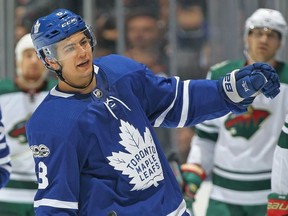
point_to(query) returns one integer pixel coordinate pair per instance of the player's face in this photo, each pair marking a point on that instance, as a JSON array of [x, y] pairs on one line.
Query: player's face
[[32, 69], [263, 44], [74, 54]]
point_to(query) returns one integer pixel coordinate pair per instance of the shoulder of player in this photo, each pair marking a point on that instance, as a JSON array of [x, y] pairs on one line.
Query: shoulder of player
[[59, 114], [222, 68], [117, 66], [7, 86]]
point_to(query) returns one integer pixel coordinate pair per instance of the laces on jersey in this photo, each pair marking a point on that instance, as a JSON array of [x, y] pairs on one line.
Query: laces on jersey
[[110, 103]]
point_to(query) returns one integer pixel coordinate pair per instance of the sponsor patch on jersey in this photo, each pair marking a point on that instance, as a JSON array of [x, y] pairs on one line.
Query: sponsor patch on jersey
[[141, 162], [40, 151]]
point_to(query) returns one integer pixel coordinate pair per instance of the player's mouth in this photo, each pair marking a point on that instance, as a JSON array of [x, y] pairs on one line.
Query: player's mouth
[[84, 64], [263, 48]]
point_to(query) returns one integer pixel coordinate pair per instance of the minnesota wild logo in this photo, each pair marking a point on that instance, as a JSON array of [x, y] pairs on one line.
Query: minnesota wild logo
[[140, 161], [247, 124], [18, 131]]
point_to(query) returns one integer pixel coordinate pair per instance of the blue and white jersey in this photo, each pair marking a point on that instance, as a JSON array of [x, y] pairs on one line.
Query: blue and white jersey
[[5, 163], [97, 153]]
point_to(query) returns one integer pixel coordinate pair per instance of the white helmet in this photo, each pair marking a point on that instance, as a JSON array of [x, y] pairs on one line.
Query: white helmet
[[267, 18], [23, 44]]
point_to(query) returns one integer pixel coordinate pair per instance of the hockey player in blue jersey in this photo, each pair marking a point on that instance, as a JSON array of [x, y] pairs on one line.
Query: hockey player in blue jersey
[[92, 138], [5, 161]]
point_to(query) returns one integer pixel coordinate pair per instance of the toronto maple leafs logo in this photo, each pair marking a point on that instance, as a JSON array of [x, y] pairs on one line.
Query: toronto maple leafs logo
[[141, 163]]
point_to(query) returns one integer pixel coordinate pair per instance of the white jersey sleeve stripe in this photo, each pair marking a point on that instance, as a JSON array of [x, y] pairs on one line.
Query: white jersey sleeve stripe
[[242, 177], [8, 168], [56, 203], [185, 106], [161, 118], [3, 145], [5, 160], [180, 210], [207, 129]]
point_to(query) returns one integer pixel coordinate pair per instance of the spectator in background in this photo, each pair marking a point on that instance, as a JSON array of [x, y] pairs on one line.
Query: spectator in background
[[19, 97], [238, 149], [106, 34], [145, 41], [27, 11], [5, 164], [192, 35], [149, 5]]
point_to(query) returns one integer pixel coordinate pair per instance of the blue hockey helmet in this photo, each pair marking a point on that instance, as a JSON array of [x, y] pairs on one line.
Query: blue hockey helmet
[[55, 27]]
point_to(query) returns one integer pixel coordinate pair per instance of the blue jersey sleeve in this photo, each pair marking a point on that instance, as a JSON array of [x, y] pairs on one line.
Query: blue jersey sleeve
[[168, 102], [5, 165], [171, 102]]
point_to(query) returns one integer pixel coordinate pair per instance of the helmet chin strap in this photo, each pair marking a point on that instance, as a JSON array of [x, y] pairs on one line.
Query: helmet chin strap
[[59, 74]]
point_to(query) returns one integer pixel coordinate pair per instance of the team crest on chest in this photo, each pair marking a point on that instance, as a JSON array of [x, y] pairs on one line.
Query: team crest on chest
[[141, 162], [18, 131], [247, 124]]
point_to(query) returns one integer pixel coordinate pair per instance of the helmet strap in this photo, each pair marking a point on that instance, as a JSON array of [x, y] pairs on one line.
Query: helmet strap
[[60, 76]]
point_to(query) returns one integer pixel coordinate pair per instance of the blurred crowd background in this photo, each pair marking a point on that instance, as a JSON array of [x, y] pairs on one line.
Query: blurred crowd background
[[172, 37]]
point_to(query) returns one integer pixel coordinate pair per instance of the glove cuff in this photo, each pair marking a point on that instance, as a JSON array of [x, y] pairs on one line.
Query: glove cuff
[[230, 88], [277, 205], [194, 168]]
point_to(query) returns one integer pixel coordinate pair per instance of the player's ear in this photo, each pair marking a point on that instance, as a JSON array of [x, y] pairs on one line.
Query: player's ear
[[52, 63]]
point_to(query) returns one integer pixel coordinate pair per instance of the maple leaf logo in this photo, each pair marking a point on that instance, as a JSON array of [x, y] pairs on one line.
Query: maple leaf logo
[[141, 163]]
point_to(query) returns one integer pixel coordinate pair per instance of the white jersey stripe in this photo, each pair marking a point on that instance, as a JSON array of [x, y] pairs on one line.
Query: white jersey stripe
[[161, 118], [54, 92], [3, 145], [17, 195], [5, 160], [56, 203], [7, 167], [207, 129], [185, 108], [242, 176], [239, 197], [180, 210]]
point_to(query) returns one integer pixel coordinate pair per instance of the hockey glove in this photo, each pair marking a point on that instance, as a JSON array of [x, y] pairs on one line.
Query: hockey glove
[[193, 175], [178, 175], [271, 88], [241, 86], [277, 205]]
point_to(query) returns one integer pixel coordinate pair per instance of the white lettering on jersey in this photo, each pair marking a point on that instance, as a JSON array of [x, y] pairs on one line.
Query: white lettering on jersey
[[141, 163]]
